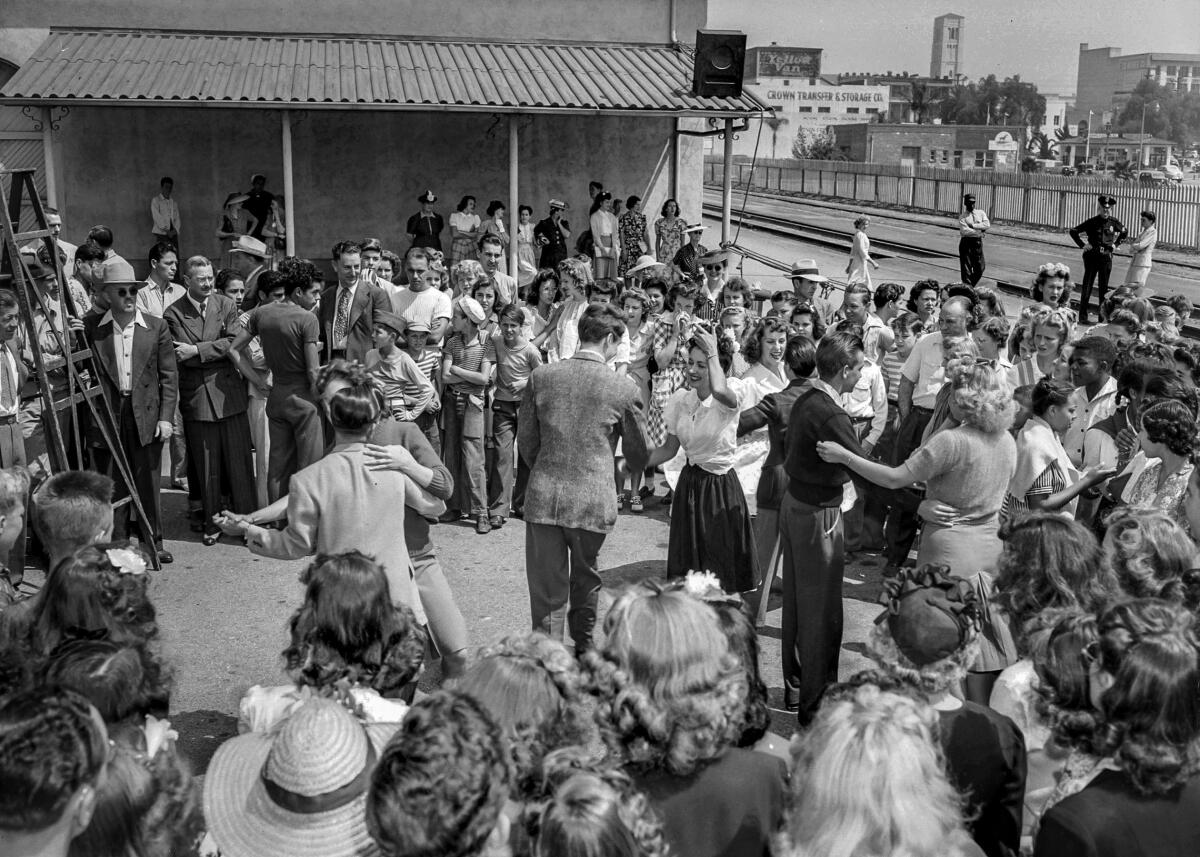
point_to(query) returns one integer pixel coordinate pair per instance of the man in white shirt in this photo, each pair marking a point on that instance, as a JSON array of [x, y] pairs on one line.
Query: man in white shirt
[[135, 358], [54, 224], [920, 380], [165, 213], [972, 223], [1095, 396], [420, 302], [491, 254], [161, 290]]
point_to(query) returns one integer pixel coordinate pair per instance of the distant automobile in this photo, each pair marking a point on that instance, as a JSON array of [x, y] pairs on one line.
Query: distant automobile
[[1172, 172], [1155, 178], [1069, 171]]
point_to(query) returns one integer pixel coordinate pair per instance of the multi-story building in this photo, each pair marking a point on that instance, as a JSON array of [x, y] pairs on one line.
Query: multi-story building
[[900, 91], [1106, 78], [989, 147], [946, 60]]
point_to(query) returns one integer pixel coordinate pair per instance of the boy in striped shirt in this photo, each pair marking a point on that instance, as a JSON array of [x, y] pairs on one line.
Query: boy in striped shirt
[[429, 360]]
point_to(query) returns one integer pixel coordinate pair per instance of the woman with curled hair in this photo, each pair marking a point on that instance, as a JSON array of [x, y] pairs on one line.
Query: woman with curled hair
[[670, 714], [710, 519], [765, 351], [1143, 675], [588, 809], [101, 589], [1167, 433], [1052, 286], [1048, 332], [345, 502], [806, 321], [964, 468], [1149, 552], [668, 347], [869, 780], [532, 687], [348, 642]]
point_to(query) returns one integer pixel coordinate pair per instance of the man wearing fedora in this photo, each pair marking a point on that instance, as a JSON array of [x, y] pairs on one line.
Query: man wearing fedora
[[806, 278], [972, 223], [687, 258], [248, 256], [1104, 234], [348, 309], [552, 234], [424, 228], [135, 358]]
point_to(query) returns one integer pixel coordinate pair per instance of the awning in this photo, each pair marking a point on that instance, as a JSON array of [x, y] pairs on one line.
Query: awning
[[324, 72]]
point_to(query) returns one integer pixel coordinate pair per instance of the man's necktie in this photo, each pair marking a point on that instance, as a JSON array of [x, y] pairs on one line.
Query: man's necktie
[[7, 383], [341, 317]]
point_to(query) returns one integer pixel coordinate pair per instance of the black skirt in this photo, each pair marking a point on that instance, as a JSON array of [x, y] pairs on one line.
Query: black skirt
[[711, 530]]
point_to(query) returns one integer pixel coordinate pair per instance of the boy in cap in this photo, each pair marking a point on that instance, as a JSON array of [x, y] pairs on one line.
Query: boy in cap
[[972, 223], [462, 363], [1104, 234], [406, 389], [429, 360]]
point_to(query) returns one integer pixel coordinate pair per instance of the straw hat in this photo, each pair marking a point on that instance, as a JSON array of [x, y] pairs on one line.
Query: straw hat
[[559, 204], [300, 791], [117, 271], [644, 262], [806, 269], [250, 246], [695, 227]]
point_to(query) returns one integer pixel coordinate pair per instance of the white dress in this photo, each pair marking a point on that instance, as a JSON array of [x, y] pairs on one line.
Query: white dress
[[858, 269]]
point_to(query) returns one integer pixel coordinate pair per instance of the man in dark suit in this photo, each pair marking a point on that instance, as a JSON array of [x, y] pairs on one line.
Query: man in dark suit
[[571, 415], [212, 397], [136, 361], [347, 312]]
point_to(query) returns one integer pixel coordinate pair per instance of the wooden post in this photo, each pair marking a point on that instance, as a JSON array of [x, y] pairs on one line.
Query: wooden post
[[513, 192], [289, 196], [48, 159], [727, 187]]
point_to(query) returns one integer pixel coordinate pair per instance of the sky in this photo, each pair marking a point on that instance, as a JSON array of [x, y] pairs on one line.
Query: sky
[[1037, 39]]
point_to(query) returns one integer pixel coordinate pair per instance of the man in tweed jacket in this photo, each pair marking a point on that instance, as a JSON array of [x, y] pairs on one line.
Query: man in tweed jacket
[[571, 416]]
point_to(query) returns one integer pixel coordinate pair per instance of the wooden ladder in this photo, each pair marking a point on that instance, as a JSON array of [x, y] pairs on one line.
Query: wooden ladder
[[78, 361]]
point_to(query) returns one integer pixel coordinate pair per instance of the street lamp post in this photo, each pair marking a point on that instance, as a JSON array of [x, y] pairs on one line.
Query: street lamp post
[[1087, 146], [1142, 136]]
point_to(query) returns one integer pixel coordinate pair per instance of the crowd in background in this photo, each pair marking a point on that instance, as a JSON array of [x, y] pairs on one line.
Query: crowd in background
[[1036, 668]]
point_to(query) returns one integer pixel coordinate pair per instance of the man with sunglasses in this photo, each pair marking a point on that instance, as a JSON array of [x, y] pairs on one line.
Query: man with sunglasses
[[1104, 234], [135, 357]]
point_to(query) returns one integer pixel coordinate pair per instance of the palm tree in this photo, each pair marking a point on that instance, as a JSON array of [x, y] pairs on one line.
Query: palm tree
[[773, 122], [920, 100], [1042, 146]]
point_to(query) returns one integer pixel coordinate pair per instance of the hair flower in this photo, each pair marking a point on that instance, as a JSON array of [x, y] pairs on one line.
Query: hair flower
[[158, 734], [126, 560], [701, 583]]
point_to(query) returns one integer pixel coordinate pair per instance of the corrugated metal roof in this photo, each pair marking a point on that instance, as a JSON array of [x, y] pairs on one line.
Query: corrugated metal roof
[[378, 73]]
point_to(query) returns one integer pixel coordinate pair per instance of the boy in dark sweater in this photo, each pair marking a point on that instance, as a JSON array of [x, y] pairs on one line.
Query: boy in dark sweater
[[810, 527]]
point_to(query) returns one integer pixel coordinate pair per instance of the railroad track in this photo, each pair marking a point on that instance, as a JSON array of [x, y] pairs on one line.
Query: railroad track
[[839, 239]]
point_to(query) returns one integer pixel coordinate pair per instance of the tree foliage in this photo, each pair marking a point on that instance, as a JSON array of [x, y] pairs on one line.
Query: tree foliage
[[1041, 146], [815, 145], [1170, 114], [993, 102]]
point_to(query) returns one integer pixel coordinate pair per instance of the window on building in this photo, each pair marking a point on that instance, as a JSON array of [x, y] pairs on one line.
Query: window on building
[[958, 162], [804, 109], [985, 160], [952, 32], [851, 109], [1171, 71], [1056, 119], [786, 82], [778, 108], [823, 109], [872, 109]]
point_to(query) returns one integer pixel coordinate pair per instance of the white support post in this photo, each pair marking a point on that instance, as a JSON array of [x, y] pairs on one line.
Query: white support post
[[727, 183], [48, 159], [514, 202], [289, 203]]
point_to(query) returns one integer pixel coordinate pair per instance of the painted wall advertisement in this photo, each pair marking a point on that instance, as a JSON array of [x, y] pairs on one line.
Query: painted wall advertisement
[[816, 106]]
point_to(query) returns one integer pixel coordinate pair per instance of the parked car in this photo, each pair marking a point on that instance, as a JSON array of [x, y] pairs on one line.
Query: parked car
[[1155, 178], [1069, 170], [1172, 172]]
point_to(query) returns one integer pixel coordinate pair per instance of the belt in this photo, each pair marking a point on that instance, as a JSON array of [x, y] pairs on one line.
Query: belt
[[8, 420], [125, 394], [858, 421], [337, 354]]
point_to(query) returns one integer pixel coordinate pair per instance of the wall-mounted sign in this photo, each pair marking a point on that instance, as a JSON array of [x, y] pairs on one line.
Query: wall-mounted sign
[[1003, 142], [788, 62]]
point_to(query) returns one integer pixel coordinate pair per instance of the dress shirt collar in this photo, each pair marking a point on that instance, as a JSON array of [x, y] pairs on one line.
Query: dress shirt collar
[[1108, 389], [107, 318], [818, 384], [587, 355], [196, 303]]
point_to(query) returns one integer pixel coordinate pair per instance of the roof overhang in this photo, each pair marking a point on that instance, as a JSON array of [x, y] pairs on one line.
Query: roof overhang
[[170, 69]]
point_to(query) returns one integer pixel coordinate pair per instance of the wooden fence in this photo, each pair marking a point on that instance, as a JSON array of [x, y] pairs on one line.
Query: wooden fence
[[1035, 198]]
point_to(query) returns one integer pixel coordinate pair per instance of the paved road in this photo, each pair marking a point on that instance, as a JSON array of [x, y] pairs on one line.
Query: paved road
[[1013, 253], [223, 611]]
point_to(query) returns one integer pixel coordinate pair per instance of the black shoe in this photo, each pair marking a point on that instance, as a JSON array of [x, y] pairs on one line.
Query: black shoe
[[450, 516], [165, 556], [482, 527], [497, 521], [211, 539], [517, 513], [791, 699]]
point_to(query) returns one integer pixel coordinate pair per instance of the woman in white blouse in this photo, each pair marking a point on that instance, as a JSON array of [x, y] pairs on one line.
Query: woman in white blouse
[[710, 520], [605, 237]]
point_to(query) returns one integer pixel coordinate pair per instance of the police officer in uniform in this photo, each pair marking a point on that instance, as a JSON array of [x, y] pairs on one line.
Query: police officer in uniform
[[972, 223], [1104, 234], [425, 227], [551, 235]]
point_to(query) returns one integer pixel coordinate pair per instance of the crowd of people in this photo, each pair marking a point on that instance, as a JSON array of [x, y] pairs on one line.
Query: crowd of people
[[1035, 686]]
